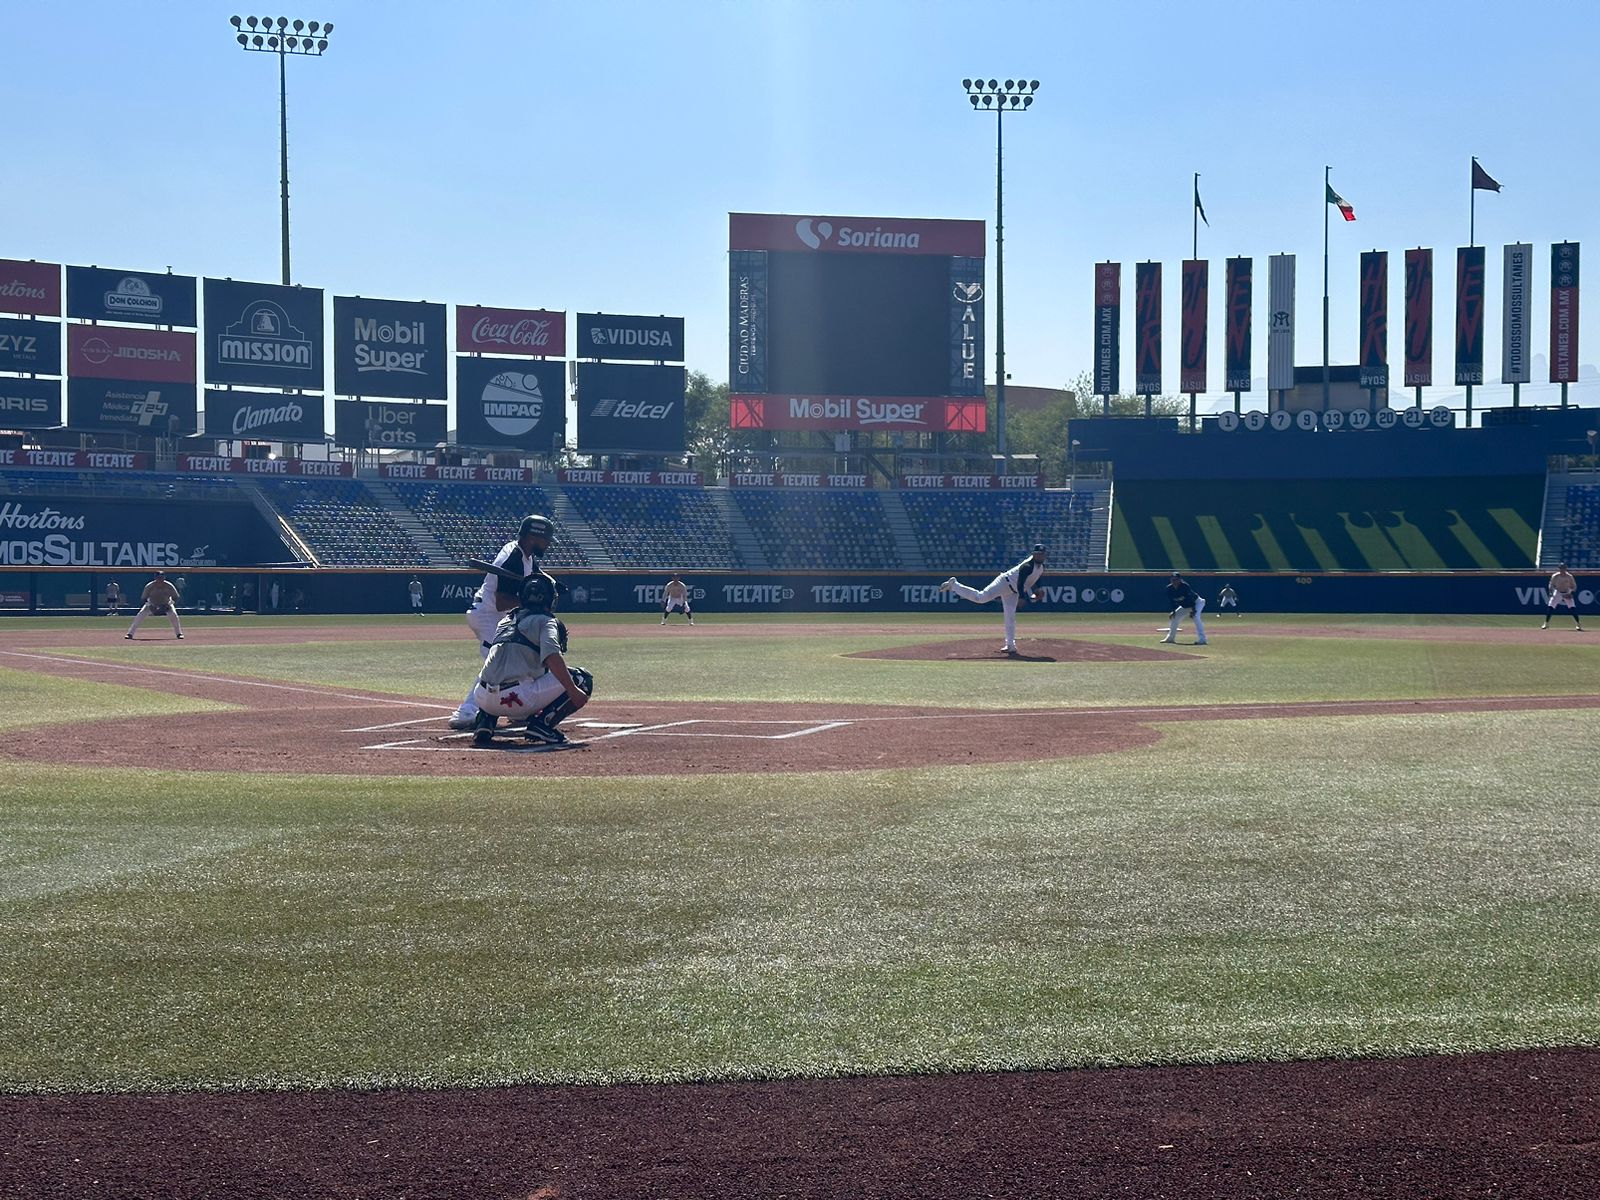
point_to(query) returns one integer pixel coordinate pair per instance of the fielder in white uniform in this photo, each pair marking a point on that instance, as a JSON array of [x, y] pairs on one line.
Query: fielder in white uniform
[[525, 676], [675, 598], [1010, 587], [489, 603], [1563, 591]]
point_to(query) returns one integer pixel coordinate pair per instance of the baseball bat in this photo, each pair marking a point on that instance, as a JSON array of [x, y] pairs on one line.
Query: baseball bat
[[477, 564]]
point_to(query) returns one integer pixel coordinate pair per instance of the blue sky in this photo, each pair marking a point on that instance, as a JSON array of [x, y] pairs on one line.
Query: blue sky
[[584, 156]]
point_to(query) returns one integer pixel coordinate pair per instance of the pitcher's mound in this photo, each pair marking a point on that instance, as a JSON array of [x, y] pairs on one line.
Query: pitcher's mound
[[1028, 650]]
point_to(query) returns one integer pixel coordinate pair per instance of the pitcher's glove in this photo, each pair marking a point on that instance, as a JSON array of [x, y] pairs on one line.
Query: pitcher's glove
[[561, 634], [159, 610]]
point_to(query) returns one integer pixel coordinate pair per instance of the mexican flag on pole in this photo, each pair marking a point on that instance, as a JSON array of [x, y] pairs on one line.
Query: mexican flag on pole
[[1346, 209]]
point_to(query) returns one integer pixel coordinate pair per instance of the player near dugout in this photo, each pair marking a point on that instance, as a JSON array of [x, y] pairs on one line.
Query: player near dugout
[[160, 600], [490, 602]]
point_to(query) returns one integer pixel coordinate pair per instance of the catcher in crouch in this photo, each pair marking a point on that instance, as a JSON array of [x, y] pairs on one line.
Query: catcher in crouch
[[525, 676]]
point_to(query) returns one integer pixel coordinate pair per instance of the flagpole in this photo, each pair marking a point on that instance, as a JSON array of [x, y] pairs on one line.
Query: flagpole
[[1472, 209], [1194, 217], [1327, 185]]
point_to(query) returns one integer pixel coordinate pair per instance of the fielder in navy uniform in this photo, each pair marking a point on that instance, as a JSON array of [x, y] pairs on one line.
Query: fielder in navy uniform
[[1011, 587], [526, 676], [490, 603], [1184, 599]]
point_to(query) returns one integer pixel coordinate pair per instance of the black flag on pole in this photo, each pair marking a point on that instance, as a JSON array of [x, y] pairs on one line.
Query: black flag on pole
[[1481, 180]]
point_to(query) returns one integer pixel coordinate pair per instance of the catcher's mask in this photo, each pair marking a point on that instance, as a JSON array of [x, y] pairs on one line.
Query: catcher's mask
[[534, 523], [538, 591]]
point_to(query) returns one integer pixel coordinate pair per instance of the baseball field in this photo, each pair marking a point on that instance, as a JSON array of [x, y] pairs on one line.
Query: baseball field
[[845, 906]]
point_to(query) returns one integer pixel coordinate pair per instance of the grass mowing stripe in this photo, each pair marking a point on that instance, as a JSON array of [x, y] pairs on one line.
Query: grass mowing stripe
[[1282, 889]]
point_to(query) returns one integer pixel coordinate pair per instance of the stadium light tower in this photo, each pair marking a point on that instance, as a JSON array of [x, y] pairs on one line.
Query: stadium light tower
[[282, 36], [1000, 96]]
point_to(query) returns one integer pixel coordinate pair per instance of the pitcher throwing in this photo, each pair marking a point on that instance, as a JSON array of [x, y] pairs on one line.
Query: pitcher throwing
[[1010, 587]]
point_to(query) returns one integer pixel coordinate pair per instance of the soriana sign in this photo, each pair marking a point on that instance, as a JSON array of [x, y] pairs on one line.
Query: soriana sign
[[855, 235], [511, 331], [114, 352], [934, 414], [30, 287]]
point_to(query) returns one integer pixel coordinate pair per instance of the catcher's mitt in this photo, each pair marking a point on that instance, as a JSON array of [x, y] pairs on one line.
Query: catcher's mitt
[[561, 634]]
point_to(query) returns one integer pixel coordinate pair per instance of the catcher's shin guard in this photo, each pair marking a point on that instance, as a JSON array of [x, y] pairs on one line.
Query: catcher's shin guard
[[553, 714]]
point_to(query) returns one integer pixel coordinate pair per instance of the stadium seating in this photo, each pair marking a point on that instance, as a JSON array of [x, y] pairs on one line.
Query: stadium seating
[[472, 520], [976, 531], [819, 530], [1580, 543], [126, 485], [1480, 522], [657, 528], [342, 522]]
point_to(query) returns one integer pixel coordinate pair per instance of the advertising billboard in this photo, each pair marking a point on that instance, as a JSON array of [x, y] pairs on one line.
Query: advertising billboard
[[263, 416], [533, 331], [512, 403], [31, 347], [855, 235], [29, 403], [31, 288], [1469, 315], [147, 355], [141, 297], [370, 424], [1192, 368], [747, 320], [886, 414], [628, 407], [151, 409], [1419, 318], [607, 335], [1147, 329], [1236, 353], [966, 327], [1280, 322], [1107, 328], [1517, 315], [1564, 312], [1374, 357], [389, 348], [264, 334]]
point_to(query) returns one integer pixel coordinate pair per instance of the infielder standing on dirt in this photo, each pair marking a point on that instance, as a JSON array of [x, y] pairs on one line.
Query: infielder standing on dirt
[[1011, 587], [1228, 598], [1563, 590], [490, 603], [525, 675], [1184, 599], [160, 600], [675, 598]]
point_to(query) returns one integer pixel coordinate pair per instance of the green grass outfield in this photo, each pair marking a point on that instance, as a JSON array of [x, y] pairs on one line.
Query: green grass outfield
[[1241, 890]]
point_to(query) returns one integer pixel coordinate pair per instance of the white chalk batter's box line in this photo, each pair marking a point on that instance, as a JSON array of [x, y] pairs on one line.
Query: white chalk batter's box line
[[619, 729]]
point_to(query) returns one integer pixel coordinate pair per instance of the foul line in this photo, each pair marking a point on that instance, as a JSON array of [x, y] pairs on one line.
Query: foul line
[[171, 673]]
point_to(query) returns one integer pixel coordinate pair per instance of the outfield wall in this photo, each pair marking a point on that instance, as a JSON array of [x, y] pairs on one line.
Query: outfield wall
[[47, 590]]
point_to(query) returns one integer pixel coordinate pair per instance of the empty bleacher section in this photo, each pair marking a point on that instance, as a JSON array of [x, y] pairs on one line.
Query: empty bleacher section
[[803, 530], [342, 522], [977, 531], [472, 520], [1479, 522], [125, 485], [1580, 543], [657, 528]]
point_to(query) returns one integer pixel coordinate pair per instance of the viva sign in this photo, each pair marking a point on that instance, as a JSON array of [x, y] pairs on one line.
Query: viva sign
[[389, 348]]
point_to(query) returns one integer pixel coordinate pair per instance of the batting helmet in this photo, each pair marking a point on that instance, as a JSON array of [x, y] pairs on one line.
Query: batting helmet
[[536, 524], [538, 591]]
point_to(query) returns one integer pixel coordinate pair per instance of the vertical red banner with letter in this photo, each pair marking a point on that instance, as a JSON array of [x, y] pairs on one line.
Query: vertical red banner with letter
[[1147, 331], [1374, 359], [1107, 328], [1419, 318], [1469, 315], [1564, 312], [1236, 352], [1192, 362]]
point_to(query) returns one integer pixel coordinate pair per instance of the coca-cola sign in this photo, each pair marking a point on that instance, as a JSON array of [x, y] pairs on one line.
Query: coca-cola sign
[[511, 331]]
